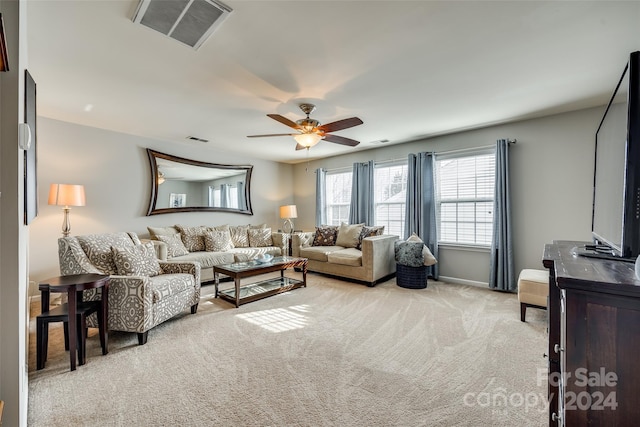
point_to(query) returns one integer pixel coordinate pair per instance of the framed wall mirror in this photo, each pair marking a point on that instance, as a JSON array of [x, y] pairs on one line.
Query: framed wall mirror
[[183, 185]]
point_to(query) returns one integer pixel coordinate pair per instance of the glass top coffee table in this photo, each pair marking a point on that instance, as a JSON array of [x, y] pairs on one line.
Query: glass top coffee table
[[242, 294]]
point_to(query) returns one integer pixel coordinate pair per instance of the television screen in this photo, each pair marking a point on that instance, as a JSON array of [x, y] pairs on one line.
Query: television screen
[[610, 171]]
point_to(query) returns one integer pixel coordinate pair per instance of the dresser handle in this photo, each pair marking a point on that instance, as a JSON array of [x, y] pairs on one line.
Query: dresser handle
[[557, 348], [555, 417]]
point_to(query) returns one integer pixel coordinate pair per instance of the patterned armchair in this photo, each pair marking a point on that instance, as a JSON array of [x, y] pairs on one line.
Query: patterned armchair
[[137, 302]]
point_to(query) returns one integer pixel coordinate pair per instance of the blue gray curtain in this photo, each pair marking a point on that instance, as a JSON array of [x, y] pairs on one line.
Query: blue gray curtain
[[502, 275], [362, 208], [241, 199], [321, 194], [420, 215]]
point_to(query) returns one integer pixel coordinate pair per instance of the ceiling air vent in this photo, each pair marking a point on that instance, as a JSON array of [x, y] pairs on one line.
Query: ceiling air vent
[[189, 21]]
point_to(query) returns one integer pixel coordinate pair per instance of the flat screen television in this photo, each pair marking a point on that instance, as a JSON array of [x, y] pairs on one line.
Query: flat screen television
[[615, 222]]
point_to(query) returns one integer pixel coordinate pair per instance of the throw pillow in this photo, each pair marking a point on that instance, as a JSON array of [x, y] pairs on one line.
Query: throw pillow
[[409, 253], [224, 227], [428, 257], [175, 247], [368, 232], [154, 232], [192, 237], [258, 226], [239, 236], [218, 241], [348, 235], [414, 238], [260, 237], [325, 236], [138, 260]]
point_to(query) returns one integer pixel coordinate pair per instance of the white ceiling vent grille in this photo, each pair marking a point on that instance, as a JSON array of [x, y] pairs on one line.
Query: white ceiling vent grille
[[188, 21]]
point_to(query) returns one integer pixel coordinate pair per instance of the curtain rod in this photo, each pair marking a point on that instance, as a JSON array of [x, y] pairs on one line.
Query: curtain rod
[[437, 153]]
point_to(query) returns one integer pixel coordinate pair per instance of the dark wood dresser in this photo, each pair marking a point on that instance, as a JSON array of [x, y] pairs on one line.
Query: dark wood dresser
[[594, 339]]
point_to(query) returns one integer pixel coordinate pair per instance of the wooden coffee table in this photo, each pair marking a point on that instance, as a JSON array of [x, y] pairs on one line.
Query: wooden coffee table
[[242, 294]]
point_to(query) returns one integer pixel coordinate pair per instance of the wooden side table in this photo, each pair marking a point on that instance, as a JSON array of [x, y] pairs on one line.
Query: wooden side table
[[73, 285]]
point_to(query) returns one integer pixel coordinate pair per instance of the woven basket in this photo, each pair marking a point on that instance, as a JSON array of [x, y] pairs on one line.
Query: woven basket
[[411, 277]]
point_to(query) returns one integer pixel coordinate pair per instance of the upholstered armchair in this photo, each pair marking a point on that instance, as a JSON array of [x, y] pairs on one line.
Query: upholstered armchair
[[143, 292]]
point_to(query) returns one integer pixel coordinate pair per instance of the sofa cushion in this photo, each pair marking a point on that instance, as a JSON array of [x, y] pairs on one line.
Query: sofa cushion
[[175, 247], [138, 260], [260, 237], [208, 259], [240, 236], [217, 241], [319, 253], [325, 236], [192, 237], [155, 232], [409, 253], [348, 256], [377, 230], [98, 249], [247, 254], [166, 285], [348, 235]]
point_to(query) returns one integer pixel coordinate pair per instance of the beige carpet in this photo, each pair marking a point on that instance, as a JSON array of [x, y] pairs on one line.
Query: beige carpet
[[332, 354]]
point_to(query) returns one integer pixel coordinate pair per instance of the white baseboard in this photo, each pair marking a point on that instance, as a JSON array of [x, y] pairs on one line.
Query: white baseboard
[[457, 281]]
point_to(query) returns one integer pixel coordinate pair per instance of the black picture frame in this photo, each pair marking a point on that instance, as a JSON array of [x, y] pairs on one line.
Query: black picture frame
[[30, 155]]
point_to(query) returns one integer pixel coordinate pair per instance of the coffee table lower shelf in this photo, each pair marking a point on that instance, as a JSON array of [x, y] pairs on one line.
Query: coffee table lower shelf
[[266, 288]]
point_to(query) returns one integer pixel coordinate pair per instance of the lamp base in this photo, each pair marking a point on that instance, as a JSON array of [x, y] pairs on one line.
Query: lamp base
[[287, 227], [66, 223]]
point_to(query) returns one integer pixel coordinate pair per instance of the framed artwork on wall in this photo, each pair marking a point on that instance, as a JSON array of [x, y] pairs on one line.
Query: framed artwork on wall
[[177, 200], [30, 153]]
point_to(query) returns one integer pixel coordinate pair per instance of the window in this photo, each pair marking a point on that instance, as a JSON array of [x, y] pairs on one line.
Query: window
[[390, 187], [338, 187], [465, 186]]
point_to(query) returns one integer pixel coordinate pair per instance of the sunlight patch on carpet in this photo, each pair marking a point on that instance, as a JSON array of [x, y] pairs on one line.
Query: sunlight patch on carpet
[[278, 319]]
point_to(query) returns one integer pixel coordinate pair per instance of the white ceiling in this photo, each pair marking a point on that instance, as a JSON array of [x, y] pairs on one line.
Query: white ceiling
[[408, 69]]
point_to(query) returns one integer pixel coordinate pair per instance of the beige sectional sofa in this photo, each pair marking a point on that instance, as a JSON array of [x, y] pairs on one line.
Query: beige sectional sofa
[[242, 247], [368, 259]]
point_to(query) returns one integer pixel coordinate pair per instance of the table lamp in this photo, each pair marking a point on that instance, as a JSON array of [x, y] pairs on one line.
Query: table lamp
[[66, 195], [288, 212]]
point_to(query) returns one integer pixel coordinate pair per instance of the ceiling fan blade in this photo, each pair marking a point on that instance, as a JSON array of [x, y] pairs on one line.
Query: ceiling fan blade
[[341, 140], [284, 120], [271, 134], [300, 147], [340, 124]]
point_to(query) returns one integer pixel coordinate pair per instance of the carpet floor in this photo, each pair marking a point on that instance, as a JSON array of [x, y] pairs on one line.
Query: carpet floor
[[332, 354]]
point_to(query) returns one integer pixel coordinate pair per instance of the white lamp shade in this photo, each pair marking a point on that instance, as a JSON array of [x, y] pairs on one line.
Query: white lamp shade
[[307, 139], [66, 195], [288, 211]]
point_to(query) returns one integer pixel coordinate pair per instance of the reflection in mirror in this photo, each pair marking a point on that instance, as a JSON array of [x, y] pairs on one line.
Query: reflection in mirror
[[183, 185]]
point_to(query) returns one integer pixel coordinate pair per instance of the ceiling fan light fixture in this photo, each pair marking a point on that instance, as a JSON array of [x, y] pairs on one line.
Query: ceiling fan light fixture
[[307, 140]]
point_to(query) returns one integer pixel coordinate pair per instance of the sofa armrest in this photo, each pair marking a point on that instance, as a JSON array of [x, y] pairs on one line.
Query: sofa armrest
[[279, 241], [127, 295], [301, 240], [176, 267], [160, 248], [378, 254]]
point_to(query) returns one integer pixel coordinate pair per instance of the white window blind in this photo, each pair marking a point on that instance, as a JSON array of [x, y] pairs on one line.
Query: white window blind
[[465, 198], [390, 187], [338, 197]]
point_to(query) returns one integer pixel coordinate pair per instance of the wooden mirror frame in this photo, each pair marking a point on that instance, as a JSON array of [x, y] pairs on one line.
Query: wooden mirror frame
[[153, 210]]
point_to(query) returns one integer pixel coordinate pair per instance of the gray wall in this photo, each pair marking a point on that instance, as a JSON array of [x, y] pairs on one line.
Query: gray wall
[[116, 174], [551, 174]]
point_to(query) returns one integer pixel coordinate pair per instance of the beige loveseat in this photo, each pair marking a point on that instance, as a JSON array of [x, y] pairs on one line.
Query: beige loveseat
[[142, 291], [371, 262], [242, 246]]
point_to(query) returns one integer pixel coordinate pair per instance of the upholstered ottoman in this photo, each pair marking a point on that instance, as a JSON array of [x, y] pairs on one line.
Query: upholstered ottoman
[[533, 290]]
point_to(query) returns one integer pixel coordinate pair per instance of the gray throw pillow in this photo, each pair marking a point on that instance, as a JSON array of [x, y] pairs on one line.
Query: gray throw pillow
[[138, 260], [218, 241], [409, 253], [175, 247]]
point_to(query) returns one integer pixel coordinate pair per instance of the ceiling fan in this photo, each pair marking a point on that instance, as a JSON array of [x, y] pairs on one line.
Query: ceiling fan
[[310, 132]]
